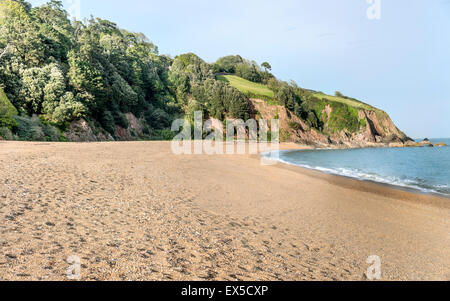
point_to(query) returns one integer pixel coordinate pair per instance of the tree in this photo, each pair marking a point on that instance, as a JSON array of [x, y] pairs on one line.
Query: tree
[[339, 94], [57, 71], [66, 110], [55, 29], [266, 66], [228, 64], [18, 28], [248, 72], [286, 96]]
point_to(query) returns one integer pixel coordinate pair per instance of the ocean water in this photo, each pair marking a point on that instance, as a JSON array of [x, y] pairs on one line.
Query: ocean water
[[422, 169]]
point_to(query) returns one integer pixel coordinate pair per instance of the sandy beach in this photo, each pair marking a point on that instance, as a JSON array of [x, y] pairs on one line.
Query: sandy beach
[[135, 211]]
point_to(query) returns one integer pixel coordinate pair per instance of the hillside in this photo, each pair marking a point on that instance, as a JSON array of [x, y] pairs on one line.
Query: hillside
[[251, 89], [63, 80], [345, 100], [343, 121]]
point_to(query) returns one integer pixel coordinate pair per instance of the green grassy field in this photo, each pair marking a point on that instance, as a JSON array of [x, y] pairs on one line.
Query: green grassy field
[[351, 102], [247, 87], [255, 90]]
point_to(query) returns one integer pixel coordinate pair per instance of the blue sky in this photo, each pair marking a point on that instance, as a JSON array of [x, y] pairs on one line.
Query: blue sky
[[399, 63]]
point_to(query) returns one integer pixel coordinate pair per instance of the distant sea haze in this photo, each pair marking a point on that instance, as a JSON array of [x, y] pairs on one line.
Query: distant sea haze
[[424, 169]]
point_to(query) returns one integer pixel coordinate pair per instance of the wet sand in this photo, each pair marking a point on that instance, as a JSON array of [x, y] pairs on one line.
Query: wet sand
[[135, 211]]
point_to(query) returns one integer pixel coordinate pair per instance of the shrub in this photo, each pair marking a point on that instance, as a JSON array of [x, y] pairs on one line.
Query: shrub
[[6, 133], [248, 72], [343, 117], [286, 96], [108, 123], [228, 63], [157, 118], [284, 135], [165, 135], [121, 120], [7, 111], [50, 133], [24, 125], [313, 121], [294, 125], [339, 94], [36, 134], [32, 129]]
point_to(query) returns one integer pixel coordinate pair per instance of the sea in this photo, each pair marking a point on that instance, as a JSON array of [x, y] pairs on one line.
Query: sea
[[421, 169]]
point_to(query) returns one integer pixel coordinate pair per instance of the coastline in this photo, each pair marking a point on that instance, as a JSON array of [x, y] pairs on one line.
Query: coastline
[[378, 188], [136, 211], [330, 176]]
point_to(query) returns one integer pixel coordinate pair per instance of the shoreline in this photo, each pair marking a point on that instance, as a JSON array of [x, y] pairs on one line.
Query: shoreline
[[286, 146], [136, 211], [414, 191], [378, 188]]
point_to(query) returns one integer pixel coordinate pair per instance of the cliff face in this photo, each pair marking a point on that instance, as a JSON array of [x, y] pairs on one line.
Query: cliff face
[[342, 126], [83, 131]]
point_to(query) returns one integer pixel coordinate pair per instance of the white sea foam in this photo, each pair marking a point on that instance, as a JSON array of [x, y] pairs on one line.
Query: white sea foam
[[361, 175]]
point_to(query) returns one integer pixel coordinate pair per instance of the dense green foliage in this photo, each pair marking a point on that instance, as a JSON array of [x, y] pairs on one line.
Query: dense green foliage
[[249, 70], [197, 89], [63, 71], [340, 116], [35, 129], [54, 71], [228, 64], [7, 111]]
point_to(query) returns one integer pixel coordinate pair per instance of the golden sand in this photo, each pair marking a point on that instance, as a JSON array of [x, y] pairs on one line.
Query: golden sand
[[135, 211]]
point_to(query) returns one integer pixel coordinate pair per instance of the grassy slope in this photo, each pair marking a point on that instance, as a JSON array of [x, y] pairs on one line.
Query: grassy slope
[[247, 87], [345, 110], [255, 89], [351, 102]]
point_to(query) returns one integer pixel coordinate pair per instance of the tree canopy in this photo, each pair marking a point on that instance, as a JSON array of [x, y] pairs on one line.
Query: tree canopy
[[266, 66], [59, 71]]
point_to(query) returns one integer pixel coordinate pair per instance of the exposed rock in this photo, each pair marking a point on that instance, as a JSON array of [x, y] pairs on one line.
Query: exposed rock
[[134, 130], [102, 137], [135, 123], [411, 144], [396, 144], [424, 143], [81, 131], [328, 110], [298, 130], [379, 131], [440, 145]]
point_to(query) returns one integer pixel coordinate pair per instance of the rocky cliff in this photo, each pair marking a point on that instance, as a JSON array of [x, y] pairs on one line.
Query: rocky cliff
[[84, 131], [341, 125]]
